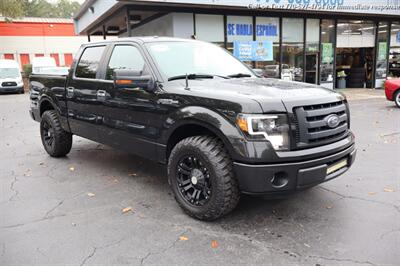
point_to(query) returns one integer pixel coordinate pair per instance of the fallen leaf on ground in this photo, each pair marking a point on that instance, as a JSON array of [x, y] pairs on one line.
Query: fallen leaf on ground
[[72, 168], [214, 244], [388, 189], [127, 209], [371, 193], [183, 238], [91, 194], [41, 163]]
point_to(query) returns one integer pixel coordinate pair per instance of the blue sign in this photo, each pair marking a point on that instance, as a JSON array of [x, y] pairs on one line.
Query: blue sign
[[398, 36], [247, 29], [253, 50], [267, 30], [239, 29]]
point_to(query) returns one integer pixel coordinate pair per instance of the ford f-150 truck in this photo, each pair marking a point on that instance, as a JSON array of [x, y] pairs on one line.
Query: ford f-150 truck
[[221, 129]]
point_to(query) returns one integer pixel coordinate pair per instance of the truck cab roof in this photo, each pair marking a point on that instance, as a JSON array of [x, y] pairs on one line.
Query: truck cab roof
[[142, 40]]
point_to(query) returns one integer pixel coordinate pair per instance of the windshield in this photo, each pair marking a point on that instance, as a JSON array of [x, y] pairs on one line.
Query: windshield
[[9, 73], [180, 58]]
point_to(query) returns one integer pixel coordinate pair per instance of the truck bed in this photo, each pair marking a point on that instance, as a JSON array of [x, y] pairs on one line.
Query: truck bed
[[49, 87]]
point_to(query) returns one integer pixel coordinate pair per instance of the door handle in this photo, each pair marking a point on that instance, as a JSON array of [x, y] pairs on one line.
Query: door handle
[[70, 92], [101, 94]]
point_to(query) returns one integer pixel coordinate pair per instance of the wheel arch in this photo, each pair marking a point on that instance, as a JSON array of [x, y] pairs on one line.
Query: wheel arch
[[45, 105], [193, 128], [202, 121]]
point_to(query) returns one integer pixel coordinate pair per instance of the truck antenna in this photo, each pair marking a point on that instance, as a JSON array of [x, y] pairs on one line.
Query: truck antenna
[[187, 82]]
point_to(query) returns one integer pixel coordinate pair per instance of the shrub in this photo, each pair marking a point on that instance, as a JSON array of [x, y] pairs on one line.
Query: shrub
[[27, 70]]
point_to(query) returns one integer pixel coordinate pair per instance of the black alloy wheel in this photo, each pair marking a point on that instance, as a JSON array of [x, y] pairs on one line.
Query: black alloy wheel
[[194, 180], [48, 134]]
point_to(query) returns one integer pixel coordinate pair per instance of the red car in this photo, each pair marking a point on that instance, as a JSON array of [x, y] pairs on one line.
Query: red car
[[392, 90]]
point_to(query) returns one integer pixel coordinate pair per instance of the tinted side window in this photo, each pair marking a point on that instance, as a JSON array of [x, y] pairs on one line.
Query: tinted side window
[[125, 57], [89, 62]]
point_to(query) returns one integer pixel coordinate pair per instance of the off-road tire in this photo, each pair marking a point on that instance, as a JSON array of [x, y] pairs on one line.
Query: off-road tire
[[62, 141], [224, 187]]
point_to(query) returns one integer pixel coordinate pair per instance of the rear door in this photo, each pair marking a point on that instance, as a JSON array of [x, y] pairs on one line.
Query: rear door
[[82, 93]]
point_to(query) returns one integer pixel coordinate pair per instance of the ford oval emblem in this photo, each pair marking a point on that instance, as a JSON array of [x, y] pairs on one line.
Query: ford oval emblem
[[332, 121]]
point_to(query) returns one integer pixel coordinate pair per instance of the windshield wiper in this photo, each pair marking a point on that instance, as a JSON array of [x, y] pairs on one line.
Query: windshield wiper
[[240, 75], [195, 76], [191, 76]]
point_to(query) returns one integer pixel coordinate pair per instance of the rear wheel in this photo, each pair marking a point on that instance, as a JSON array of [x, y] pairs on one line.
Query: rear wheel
[[201, 177], [56, 141], [397, 98]]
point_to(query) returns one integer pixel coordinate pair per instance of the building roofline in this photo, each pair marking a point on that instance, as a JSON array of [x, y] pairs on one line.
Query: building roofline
[[37, 20], [84, 7]]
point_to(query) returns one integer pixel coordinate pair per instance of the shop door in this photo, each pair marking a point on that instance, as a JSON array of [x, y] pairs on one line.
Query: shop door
[[312, 63], [355, 53]]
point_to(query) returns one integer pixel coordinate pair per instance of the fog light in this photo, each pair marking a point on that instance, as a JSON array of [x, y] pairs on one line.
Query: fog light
[[279, 180]]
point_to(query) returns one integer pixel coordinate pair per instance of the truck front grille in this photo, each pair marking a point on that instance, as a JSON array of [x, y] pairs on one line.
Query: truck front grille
[[9, 84], [313, 125]]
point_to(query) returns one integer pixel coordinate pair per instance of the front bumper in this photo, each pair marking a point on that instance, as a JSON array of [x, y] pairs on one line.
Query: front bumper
[[290, 177], [34, 112], [389, 94], [11, 89]]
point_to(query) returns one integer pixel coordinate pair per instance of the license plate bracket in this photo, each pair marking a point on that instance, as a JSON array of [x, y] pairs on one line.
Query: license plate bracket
[[336, 166]]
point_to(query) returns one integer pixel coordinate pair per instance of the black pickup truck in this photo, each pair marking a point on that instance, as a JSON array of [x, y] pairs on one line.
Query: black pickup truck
[[221, 129]]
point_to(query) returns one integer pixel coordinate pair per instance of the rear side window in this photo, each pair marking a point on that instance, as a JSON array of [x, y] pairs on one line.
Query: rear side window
[[125, 57], [89, 62]]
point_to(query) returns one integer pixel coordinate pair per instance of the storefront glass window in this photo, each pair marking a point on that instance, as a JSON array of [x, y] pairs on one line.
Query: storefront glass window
[[327, 52], [312, 50], [239, 28], [292, 49], [355, 52], [210, 28], [394, 54], [267, 30], [381, 57]]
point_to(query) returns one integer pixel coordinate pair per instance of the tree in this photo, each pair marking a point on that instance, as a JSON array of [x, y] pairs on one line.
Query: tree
[[11, 8], [38, 8], [66, 8]]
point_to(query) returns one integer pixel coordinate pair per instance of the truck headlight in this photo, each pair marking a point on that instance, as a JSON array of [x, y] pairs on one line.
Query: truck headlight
[[274, 128]]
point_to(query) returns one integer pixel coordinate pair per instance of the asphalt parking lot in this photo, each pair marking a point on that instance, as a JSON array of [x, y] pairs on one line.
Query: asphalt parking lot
[[70, 210]]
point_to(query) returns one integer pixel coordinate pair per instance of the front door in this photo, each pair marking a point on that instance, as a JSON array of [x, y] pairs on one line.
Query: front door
[[126, 112], [312, 68], [82, 94]]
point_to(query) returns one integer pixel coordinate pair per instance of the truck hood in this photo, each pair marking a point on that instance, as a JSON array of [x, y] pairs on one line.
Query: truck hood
[[273, 95]]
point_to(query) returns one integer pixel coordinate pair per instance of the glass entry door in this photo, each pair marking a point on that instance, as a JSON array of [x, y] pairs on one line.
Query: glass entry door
[[311, 74], [312, 68], [355, 50]]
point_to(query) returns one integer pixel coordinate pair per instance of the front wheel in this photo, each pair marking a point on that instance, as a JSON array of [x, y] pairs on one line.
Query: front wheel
[[201, 176], [397, 98], [56, 141]]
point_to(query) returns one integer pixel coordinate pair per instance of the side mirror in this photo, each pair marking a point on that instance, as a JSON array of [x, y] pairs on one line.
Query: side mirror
[[125, 78]]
